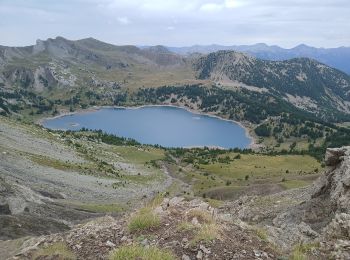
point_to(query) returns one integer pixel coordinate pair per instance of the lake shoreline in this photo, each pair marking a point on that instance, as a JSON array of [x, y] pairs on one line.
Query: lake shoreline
[[253, 144]]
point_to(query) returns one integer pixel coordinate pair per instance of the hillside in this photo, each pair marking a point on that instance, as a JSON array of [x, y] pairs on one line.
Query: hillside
[[305, 83]]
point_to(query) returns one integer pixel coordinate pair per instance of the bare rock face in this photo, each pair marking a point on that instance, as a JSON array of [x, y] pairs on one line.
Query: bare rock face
[[335, 155], [335, 184], [326, 215]]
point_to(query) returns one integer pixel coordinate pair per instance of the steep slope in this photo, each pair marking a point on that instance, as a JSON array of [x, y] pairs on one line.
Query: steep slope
[[50, 181], [307, 82]]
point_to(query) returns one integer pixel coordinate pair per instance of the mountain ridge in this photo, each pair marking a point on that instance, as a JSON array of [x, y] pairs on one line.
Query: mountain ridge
[[109, 71], [335, 57]]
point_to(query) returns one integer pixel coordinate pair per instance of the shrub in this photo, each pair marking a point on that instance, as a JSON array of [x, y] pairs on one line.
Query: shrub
[[261, 233], [206, 233], [138, 252], [143, 220]]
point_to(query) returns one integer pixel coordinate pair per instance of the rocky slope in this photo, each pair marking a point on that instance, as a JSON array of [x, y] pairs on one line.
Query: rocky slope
[[49, 182], [188, 229], [316, 217], [307, 223]]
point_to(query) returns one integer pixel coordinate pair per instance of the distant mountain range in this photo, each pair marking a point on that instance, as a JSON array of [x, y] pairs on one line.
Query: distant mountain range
[[338, 58]]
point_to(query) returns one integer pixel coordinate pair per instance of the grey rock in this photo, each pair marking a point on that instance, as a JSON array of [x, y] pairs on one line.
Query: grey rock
[[185, 257], [145, 242], [175, 201], [334, 156], [110, 244], [204, 249], [199, 255]]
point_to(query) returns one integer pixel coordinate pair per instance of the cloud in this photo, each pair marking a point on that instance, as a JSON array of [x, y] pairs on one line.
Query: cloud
[[150, 22], [232, 3], [211, 7], [123, 20], [215, 7]]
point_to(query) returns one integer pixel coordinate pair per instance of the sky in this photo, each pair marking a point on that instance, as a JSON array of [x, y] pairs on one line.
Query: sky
[[287, 23]]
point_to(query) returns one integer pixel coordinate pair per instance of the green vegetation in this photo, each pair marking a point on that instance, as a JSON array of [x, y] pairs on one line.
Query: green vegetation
[[145, 218], [185, 226], [292, 184], [206, 233], [220, 174], [261, 233], [58, 250], [300, 251], [139, 252], [57, 164]]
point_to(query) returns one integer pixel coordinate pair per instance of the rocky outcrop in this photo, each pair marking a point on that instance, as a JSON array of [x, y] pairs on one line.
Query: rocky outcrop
[[334, 185], [319, 213], [326, 214]]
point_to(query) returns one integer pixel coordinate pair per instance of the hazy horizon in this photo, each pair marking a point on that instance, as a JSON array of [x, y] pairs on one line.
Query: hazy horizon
[[178, 23]]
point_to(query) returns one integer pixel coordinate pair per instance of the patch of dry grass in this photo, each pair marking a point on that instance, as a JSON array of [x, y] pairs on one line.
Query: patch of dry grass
[[59, 251]]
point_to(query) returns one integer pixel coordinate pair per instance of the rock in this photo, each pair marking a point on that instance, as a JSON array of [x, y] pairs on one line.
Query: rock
[[172, 244], [110, 244], [199, 255], [145, 242], [204, 206], [5, 209], [159, 211], [204, 249], [339, 227], [257, 253], [175, 201], [334, 183], [124, 238], [184, 243], [165, 203], [185, 257], [195, 222], [334, 156]]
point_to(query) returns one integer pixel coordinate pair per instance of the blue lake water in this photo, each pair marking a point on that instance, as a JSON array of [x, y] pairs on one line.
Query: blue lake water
[[163, 125]]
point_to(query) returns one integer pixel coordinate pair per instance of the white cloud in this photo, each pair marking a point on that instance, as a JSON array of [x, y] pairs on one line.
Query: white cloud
[[211, 7], [232, 3], [146, 22], [123, 20]]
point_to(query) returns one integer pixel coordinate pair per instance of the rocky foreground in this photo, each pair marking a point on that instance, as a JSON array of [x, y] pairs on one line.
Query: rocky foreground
[[308, 223]]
